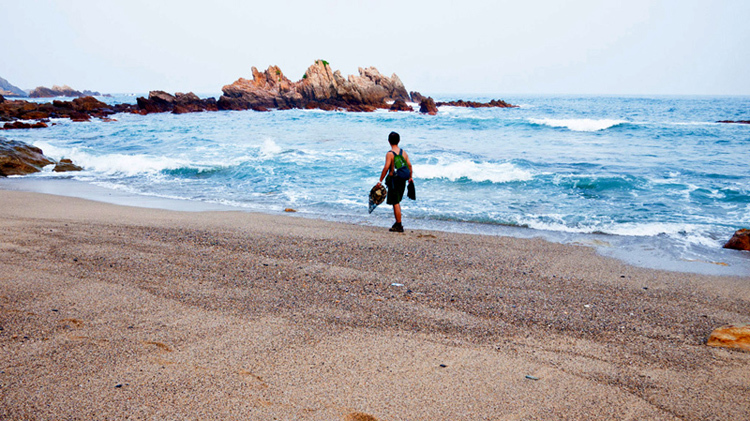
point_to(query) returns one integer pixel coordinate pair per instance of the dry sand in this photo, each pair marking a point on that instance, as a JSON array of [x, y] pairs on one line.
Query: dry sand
[[112, 312]]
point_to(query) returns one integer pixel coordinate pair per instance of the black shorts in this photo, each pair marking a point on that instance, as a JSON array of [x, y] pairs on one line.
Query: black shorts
[[396, 187]]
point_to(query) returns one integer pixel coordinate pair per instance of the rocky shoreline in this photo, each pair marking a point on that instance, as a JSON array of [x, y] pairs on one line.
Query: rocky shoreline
[[320, 88]]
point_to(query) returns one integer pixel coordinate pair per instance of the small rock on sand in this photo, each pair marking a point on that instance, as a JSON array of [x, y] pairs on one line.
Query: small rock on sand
[[731, 337]]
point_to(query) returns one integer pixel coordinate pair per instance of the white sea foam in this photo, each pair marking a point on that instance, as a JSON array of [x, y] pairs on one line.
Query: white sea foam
[[121, 164], [269, 148], [578, 124], [483, 171], [687, 233]]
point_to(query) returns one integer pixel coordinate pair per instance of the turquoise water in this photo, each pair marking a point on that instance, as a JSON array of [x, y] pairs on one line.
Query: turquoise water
[[653, 171]]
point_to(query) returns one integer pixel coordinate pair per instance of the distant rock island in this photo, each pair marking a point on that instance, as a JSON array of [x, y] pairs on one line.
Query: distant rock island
[[55, 91], [7, 89]]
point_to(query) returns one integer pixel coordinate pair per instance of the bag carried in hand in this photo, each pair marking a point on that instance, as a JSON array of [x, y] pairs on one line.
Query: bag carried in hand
[[377, 196], [399, 163]]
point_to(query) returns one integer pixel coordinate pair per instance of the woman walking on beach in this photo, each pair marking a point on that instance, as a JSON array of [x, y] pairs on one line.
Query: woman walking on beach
[[396, 176]]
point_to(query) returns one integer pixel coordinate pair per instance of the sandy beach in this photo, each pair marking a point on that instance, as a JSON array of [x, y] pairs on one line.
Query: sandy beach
[[115, 312]]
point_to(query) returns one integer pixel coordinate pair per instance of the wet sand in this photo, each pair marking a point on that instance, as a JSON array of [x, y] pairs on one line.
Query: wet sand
[[115, 312]]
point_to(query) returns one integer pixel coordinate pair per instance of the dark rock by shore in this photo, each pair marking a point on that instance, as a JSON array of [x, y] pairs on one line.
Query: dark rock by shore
[[739, 241], [19, 158], [320, 87], [55, 91]]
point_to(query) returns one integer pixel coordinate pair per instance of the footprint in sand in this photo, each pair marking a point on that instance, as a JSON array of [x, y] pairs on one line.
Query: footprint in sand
[[360, 416], [160, 345]]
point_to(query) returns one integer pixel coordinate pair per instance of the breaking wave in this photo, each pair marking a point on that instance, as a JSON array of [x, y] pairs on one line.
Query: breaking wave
[[578, 124], [473, 171]]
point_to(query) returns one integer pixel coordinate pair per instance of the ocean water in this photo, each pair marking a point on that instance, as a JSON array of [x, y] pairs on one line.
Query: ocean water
[[653, 180]]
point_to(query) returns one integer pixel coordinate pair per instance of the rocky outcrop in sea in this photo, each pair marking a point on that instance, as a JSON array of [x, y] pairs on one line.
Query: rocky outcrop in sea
[[428, 106], [320, 87], [79, 109], [179, 103]]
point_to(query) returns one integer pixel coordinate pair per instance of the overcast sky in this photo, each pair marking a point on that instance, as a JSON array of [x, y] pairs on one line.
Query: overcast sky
[[437, 46]]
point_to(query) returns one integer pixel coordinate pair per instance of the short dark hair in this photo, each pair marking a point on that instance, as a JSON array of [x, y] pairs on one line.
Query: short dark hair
[[394, 138]]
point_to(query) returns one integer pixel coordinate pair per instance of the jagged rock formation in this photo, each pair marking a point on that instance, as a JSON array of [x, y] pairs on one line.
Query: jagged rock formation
[[416, 97], [179, 103], [65, 90], [7, 89], [320, 87], [18, 158]]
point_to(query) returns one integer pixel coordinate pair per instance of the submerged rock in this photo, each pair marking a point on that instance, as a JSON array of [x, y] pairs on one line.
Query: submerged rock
[[22, 125], [495, 103], [66, 165], [18, 158], [739, 241], [400, 105], [731, 337]]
